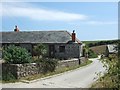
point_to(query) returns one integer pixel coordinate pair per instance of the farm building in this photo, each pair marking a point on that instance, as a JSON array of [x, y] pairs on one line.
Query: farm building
[[111, 49]]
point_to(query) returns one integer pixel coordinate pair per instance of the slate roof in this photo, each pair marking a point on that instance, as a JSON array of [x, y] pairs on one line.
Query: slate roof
[[112, 48], [37, 37]]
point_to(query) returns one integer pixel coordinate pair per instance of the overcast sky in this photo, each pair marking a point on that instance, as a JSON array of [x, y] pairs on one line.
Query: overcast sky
[[90, 20]]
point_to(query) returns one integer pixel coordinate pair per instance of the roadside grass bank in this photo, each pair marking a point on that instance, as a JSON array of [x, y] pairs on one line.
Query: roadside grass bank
[[39, 76], [104, 82], [111, 78]]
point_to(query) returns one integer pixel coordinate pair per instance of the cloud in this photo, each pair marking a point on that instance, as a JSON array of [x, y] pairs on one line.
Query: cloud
[[93, 23], [41, 14], [101, 22]]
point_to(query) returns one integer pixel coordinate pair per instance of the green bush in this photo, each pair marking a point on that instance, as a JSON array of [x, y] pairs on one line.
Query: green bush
[[16, 55], [92, 54], [40, 50], [48, 65], [111, 78]]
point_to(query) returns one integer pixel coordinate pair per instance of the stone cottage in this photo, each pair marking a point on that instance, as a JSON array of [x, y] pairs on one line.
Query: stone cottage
[[61, 44], [111, 49]]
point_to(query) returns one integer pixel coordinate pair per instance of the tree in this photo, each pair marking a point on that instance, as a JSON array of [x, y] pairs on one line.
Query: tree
[[85, 51], [92, 54]]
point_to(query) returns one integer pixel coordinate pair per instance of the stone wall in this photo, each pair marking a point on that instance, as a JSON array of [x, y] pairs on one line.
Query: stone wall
[[67, 63], [8, 69], [23, 70]]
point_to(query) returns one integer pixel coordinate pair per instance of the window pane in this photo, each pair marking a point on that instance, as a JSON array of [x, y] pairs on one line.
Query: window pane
[[62, 49]]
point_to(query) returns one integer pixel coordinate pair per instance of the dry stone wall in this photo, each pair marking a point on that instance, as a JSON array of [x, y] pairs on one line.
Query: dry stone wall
[[23, 70]]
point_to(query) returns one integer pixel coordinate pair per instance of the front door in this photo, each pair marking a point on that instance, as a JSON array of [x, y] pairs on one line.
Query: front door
[[51, 51]]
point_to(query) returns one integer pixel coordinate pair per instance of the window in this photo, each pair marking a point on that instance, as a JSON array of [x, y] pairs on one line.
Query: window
[[61, 48]]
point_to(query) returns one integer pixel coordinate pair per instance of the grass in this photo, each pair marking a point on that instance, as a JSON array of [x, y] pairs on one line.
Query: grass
[[103, 82], [62, 70], [10, 81], [99, 49]]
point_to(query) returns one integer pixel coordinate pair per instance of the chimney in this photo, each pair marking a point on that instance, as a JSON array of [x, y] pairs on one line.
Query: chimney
[[16, 29], [73, 36]]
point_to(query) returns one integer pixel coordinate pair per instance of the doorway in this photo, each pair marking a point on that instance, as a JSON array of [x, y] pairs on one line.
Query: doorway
[[51, 51]]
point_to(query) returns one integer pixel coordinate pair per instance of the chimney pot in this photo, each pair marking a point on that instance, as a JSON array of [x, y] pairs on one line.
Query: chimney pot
[[73, 31], [73, 36], [16, 29]]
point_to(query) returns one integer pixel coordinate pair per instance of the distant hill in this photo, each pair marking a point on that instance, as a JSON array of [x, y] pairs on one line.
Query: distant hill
[[98, 43], [99, 47]]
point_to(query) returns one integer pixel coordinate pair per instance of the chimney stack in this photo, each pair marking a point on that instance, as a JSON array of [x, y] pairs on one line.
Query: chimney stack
[[73, 36], [16, 29]]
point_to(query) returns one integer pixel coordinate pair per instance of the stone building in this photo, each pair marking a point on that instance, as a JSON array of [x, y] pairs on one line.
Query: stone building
[[61, 44], [111, 49]]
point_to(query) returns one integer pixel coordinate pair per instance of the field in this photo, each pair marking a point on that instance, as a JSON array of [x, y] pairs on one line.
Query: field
[[99, 46], [99, 49]]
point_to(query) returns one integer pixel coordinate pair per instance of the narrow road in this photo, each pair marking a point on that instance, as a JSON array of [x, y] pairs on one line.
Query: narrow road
[[80, 78]]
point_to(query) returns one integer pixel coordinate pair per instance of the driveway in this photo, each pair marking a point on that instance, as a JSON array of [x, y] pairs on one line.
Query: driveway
[[80, 78]]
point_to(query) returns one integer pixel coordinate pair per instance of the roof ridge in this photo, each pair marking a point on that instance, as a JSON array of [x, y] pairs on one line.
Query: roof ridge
[[39, 31]]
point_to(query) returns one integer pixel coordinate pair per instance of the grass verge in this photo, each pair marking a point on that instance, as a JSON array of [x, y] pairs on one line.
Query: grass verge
[[111, 78], [103, 82]]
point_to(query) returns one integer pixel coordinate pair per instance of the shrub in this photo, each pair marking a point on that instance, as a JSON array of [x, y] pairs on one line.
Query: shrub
[[16, 55], [92, 54], [111, 79], [113, 73], [48, 65], [40, 50]]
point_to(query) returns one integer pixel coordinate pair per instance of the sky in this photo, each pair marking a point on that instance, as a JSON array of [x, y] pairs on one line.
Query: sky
[[90, 20]]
